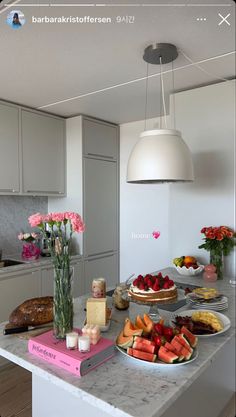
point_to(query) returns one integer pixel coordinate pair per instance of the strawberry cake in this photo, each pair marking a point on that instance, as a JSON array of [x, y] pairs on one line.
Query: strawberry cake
[[153, 288]]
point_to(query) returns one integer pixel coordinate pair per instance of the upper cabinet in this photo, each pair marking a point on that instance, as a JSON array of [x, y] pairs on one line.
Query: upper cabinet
[[9, 150], [43, 150], [32, 152], [100, 139]]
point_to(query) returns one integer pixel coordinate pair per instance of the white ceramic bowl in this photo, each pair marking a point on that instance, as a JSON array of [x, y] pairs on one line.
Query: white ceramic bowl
[[189, 271]]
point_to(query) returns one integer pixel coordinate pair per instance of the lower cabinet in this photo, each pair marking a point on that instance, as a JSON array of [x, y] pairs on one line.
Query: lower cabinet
[[17, 288], [104, 267]]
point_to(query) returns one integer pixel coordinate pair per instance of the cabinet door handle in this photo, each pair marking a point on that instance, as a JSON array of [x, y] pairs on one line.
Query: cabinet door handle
[[101, 156], [44, 192], [7, 190], [101, 253], [100, 257]]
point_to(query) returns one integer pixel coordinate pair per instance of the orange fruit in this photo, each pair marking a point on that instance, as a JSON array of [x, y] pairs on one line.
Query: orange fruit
[[189, 260]]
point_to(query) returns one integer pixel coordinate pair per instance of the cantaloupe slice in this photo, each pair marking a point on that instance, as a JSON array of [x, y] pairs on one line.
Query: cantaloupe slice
[[124, 341], [130, 329], [146, 323]]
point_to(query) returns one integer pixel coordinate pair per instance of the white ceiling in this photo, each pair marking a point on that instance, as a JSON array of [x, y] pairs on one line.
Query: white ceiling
[[47, 63]]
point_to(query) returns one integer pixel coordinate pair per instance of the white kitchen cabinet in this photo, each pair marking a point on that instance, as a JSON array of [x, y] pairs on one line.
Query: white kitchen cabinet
[[101, 267], [100, 206], [100, 139], [47, 276], [47, 279], [78, 278], [9, 150], [43, 153], [16, 288], [93, 192]]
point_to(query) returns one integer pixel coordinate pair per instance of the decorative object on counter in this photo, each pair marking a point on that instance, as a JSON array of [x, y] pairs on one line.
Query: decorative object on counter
[[209, 273], [99, 288], [73, 361], [71, 340], [96, 311], [119, 302], [93, 332], [61, 227], [219, 241], [45, 249], [187, 265], [84, 344], [30, 251]]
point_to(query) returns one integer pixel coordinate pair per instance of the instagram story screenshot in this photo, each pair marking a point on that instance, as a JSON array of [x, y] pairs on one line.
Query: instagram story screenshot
[[117, 208]]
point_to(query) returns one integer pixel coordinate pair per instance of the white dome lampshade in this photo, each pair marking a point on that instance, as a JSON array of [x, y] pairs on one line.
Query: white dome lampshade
[[160, 155]]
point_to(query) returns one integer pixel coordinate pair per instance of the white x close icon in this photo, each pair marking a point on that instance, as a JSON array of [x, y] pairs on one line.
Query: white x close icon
[[224, 19]]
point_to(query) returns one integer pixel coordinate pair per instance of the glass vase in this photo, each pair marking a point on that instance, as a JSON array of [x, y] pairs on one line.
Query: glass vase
[[216, 258], [63, 302], [30, 251]]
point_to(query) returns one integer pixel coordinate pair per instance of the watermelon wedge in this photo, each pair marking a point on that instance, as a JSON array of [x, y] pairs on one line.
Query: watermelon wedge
[[144, 347], [170, 347], [167, 356], [186, 353], [143, 340], [184, 342], [191, 338], [176, 343], [146, 356]]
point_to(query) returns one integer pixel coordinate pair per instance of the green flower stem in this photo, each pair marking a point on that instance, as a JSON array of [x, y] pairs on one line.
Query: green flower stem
[[216, 258], [63, 301]]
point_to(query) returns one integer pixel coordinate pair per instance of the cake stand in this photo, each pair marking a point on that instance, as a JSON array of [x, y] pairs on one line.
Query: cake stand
[[155, 305]]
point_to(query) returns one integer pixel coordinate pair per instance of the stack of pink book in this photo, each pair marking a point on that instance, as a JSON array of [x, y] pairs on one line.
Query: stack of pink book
[[46, 347]]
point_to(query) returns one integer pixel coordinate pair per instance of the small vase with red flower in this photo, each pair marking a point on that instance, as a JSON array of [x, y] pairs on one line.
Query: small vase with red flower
[[219, 241]]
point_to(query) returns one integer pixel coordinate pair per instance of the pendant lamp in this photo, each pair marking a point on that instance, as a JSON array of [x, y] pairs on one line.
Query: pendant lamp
[[161, 155]]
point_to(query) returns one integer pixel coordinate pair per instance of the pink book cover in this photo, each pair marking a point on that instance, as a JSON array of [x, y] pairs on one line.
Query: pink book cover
[[54, 351]]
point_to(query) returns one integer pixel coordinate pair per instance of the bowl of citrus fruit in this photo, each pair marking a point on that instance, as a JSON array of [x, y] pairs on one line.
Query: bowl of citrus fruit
[[187, 265]]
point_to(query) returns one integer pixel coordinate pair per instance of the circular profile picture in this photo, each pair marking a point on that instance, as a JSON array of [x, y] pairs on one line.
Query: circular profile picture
[[16, 19]]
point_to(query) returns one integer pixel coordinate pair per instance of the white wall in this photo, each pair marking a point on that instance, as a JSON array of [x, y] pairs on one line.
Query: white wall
[[205, 117], [143, 209], [73, 200]]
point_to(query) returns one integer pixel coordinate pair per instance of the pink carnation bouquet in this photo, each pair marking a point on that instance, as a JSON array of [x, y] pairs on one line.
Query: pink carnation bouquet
[[61, 227], [57, 229]]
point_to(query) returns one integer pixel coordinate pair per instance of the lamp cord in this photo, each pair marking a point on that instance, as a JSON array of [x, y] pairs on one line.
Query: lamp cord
[[201, 69], [173, 94], [163, 93], [146, 99]]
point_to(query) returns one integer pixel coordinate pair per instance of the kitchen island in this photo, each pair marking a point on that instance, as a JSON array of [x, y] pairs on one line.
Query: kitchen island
[[124, 387]]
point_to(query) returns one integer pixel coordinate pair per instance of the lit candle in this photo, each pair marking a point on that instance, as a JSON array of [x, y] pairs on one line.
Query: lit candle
[[71, 340], [84, 344]]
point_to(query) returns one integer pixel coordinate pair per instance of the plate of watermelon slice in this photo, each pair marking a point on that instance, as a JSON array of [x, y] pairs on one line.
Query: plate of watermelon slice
[[181, 350]]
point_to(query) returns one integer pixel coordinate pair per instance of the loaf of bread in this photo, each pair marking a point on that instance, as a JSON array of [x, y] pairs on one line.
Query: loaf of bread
[[33, 312]]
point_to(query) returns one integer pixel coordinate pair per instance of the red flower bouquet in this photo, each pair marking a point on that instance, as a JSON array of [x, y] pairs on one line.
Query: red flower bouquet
[[219, 241]]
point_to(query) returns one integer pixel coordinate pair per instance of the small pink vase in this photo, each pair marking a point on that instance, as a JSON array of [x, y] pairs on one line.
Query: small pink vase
[[209, 273], [30, 251]]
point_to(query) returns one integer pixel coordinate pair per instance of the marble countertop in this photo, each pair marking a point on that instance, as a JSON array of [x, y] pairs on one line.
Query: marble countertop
[[124, 387], [28, 265]]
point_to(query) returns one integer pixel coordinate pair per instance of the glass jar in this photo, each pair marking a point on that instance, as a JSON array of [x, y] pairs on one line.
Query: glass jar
[[119, 302]]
